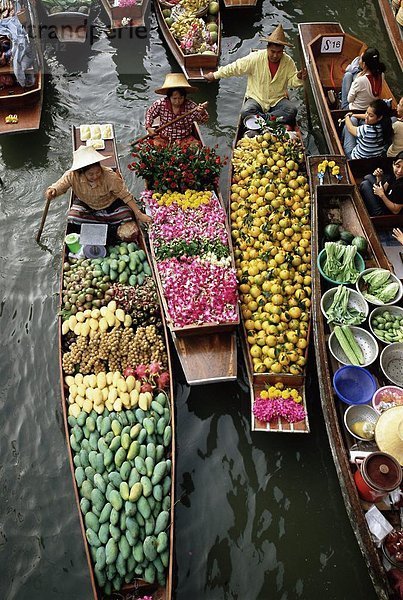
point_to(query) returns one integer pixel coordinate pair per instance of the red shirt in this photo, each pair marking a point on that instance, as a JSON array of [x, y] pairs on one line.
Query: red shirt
[[273, 67]]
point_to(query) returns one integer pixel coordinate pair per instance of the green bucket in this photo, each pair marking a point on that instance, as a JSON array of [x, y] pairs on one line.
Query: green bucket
[[73, 242]]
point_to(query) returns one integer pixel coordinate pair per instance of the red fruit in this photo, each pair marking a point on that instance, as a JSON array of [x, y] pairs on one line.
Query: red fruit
[[129, 371], [163, 380], [141, 371], [146, 387], [155, 368]]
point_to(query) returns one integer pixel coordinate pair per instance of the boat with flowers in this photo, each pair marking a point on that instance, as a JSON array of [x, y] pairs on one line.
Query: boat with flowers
[[192, 257], [270, 221], [192, 33], [338, 210], [393, 29], [21, 91], [117, 403], [126, 13], [68, 20]]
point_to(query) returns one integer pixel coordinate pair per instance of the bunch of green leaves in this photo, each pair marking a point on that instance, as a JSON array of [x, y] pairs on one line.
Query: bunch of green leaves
[[340, 262], [197, 247], [340, 311]]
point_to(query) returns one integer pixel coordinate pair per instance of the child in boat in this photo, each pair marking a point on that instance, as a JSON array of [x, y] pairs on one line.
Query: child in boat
[[362, 81], [383, 193], [397, 142], [372, 138]]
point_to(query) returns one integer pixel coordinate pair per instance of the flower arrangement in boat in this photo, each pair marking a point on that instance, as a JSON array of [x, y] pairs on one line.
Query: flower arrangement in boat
[[193, 32], [279, 402], [190, 243], [123, 3], [175, 168]]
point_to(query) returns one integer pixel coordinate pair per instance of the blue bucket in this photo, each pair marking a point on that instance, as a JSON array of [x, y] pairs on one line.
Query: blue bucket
[[354, 385]]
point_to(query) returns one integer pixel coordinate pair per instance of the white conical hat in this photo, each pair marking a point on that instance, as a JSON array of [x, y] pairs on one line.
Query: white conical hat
[[85, 156], [389, 432]]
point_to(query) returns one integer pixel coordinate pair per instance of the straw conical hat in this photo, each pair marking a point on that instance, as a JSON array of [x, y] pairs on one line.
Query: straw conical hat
[[277, 37], [389, 432], [175, 80], [85, 156]]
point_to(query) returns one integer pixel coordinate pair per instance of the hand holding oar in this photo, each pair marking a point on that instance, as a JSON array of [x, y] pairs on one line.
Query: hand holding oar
[[51, 193], [161, 127]]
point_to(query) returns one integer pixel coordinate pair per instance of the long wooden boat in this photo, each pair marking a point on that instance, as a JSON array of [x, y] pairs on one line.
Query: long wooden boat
[[207, 352], [341, 203], [326, 51], [261, 377], [136, 587], [67, 20], [24, 102], [194, 66], [393, 28], [123, 17]]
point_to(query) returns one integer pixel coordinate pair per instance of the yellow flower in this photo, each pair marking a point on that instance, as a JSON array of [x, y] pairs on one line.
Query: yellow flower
[[331, 163]]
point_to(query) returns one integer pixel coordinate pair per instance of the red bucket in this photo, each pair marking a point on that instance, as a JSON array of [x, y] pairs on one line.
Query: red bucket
[[378, 474]]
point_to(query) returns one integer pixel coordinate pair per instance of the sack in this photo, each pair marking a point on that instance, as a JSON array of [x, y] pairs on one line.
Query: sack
[[128, 232]]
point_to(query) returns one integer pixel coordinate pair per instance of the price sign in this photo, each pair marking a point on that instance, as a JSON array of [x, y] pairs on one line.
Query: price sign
[[331, 44]]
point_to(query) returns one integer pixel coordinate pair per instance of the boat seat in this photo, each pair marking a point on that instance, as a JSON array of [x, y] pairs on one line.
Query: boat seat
[[388, 221]]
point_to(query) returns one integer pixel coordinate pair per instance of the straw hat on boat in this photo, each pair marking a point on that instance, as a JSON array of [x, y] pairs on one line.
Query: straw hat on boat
[[85, 156], [173, 81], [389, 432], [277, 37]]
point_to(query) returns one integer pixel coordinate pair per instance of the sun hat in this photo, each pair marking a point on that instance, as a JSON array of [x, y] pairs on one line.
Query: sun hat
[[277, 37], [389, 432], [85, 156], [175, 80]]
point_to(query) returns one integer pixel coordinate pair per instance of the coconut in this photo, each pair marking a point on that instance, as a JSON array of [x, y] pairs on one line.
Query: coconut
[[212, 26], [213, 36], [213, 8]]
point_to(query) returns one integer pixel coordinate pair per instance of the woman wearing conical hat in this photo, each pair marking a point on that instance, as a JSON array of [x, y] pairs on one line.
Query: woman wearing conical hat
[[270, 74], [101, 192], [175, 103]]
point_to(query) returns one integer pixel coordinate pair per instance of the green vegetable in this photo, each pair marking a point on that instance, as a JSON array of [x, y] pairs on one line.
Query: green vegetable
[[380, 286], [340, 312], [346, 236], [353, 343], [345, 346], [360, 243], [339, 263]]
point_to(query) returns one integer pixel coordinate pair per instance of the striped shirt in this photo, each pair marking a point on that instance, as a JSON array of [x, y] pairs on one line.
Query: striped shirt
[[98, 195], [162, 109], [370, 141]]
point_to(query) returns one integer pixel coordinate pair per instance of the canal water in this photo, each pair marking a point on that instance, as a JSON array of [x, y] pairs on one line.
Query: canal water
[[258, 517]]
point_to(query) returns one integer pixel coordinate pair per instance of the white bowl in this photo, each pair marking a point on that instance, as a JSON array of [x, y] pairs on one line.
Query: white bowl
[[355, 300], [358, 413], [391, 361], [364, 339], [394, 310], [388, 394], [360, 287]]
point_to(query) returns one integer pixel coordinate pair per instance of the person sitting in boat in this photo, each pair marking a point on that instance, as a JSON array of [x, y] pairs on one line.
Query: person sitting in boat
[[102, 194], [174, 105], [397, 124], [383, 193], [362, 81], [5, 51], [270, 73], [371, 138], [398, 10]]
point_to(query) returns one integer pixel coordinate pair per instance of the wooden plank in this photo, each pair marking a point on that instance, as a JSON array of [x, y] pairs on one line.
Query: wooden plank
[[393, 29]]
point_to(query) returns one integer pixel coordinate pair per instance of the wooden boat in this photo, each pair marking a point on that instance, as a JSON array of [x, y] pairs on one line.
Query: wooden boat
[[239, 3], [194, 66], [207, 352], [259, 381], [393, 28], [137, 587], [24, 102], [123, 17], [341, 203], [69, 22]]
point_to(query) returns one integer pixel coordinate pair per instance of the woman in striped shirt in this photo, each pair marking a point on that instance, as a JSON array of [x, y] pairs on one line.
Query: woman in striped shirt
[[175, 104], [372, 138]]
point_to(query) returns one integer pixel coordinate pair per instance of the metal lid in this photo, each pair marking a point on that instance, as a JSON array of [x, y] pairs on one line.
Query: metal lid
[[382, 472]]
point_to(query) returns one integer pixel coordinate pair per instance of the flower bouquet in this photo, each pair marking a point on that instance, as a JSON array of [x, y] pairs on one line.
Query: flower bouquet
[[279, 402]]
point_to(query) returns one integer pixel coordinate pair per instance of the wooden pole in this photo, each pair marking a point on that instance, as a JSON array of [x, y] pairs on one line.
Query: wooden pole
[[45, 214], [156, 132]]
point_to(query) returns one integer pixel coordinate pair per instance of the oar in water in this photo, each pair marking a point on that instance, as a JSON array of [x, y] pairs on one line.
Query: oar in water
[[45, 214], [161, 127]]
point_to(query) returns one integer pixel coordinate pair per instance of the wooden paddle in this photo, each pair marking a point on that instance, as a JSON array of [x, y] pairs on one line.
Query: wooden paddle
[[161, 127], [45, 214]]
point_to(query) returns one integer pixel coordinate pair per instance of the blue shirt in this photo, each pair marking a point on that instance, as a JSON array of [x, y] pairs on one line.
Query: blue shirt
[[370, 142]]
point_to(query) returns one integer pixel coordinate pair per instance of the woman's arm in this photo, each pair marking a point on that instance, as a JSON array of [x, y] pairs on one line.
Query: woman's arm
[[379, 190], [200, 115], [61, 186], [152, 113], [120, 190], [140, 216], [350, 127]]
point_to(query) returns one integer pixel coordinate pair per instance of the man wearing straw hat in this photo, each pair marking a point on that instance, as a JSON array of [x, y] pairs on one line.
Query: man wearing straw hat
[[102, 195], [270, 73], [175, 106]]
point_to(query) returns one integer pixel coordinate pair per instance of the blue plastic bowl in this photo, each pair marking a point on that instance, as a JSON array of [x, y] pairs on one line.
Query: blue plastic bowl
[[358, 261], [354, 385]]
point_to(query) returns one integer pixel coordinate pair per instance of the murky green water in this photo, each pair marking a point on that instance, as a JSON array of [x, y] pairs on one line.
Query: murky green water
[[258, 517]]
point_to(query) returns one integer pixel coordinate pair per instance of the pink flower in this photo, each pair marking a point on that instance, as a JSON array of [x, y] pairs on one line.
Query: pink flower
[[272, 409]]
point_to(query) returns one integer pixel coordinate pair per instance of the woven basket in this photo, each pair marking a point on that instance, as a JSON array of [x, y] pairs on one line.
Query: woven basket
[[203, 11]]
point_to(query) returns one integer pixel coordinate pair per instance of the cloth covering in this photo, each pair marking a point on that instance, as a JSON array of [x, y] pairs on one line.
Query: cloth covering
[[22, 53]]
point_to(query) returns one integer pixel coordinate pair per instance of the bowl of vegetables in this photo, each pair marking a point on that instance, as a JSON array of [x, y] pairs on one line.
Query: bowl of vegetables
[[338, 263], [387, 324], [354, 385], [379, 286], [353, 346], [344, 306], [386, 397], [391, 361]]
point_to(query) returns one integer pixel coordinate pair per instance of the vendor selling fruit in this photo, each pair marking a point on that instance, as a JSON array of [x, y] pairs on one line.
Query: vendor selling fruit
[[270, 73], [102, 194], [175, 105]]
